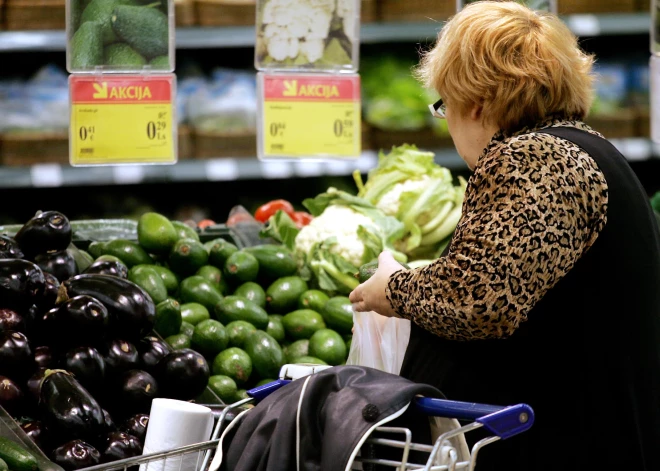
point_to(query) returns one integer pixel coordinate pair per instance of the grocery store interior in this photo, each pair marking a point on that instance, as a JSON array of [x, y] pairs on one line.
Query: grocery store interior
[[143, 306], [217, 111]]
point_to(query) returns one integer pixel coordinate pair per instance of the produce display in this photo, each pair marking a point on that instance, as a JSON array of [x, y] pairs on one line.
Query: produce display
[[79, 360], [119, 35], [306, 34], [409, 205]]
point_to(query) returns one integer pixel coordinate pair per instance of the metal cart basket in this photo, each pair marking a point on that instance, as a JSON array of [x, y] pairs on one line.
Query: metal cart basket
[[501, 423]]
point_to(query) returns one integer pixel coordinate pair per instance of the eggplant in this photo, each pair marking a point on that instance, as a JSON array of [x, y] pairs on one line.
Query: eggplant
[[50, 291], [16, 360], [107, 267], [22, 284], [81, 319], [152, 350], [87, 366], [60, 264], [34, 384], [120, 445], [49, 231], [120, 356], [136, 425], [182, 374], [76, 454], [44, 357], [69, 410], [132, 312], [36, 431], [137, 389], [110, 425], [11, 320], [11, 396], [9, 248]]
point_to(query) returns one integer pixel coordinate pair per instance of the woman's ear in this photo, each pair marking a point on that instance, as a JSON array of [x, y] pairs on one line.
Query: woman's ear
[[475, 112]]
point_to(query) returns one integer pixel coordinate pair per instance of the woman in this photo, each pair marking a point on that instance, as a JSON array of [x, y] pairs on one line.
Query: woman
[[549, 293]]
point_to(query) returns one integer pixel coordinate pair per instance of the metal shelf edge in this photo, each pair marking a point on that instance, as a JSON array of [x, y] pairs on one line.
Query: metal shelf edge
[[221, 169], [244, 36]]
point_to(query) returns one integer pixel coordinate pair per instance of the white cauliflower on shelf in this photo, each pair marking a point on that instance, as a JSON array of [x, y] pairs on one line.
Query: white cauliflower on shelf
[[340, 222], [390, 202], [293, 27], [346, 10]]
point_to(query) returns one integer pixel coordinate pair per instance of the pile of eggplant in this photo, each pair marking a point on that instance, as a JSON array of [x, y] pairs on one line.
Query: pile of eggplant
[[79, 363]]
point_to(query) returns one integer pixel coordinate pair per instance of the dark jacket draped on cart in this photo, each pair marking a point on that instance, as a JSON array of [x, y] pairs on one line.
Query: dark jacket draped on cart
[[549, 294], [319, 422]]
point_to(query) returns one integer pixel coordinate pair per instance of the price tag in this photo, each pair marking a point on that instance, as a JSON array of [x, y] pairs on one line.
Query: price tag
[[305, 116], [122, 119]]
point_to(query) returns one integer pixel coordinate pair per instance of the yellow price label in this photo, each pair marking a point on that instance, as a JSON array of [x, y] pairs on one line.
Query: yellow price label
[[310, 116], [122, 120]]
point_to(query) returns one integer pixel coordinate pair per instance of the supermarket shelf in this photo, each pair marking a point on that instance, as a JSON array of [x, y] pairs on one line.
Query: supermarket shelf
[[231, 169], [224, 169], [244, 36]]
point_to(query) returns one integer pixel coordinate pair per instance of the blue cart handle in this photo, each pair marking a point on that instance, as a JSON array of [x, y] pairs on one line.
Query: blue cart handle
[[505, 422], [262, 392]]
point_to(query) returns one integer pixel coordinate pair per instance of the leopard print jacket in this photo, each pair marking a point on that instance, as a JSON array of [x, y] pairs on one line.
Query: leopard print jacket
[[533, 206]]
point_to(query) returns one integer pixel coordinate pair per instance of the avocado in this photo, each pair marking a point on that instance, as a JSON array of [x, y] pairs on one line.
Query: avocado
[[265, 353], [283, 294], [168, 317], [219, 252], [169, 278], [155, 232], [252, 292], [149, 280], [196, 289], [338, 314], [240, 267], [160, 62], [275, 261], [187, 256], [87, 46], [214, 276], [127, 251], [121, 55], [101, 12], [184, 231], [143, 28], [303, 323], [234, 308]]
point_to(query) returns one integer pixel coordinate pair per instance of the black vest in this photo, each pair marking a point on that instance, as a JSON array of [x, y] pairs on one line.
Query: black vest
[[588, 358]]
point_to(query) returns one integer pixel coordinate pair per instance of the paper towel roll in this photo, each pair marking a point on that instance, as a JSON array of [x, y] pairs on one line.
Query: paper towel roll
[[173, 424]]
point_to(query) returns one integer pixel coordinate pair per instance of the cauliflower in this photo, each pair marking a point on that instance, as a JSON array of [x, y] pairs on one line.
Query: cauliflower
[[296, 26], [346, 11], [342, 223], [390, 202]]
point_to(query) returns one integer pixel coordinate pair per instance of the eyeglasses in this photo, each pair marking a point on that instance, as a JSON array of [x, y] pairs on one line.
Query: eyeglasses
[[438, 109]]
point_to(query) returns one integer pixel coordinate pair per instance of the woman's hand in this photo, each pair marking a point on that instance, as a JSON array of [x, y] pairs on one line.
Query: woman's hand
[[370, 295]]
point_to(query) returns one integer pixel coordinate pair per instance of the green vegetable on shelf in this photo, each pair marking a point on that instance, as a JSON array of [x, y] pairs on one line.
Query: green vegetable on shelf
[[87, 46]]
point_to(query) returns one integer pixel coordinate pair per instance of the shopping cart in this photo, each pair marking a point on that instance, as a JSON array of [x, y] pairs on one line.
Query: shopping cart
[[501, 423]]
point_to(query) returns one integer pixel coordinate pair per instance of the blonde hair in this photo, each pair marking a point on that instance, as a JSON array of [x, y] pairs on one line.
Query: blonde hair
[[519, 65]]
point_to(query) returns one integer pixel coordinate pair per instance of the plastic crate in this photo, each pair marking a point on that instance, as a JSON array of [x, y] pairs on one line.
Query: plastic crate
[[87, 231], [29, 148], [226, 12], [416, 10], [566, 7], [34, 14]]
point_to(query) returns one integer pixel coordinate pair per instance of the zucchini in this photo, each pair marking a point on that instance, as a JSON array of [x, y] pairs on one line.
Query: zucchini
[[16, 457], [3, 465]]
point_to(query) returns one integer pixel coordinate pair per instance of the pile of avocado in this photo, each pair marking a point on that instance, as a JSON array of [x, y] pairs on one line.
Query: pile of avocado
[[246, 310], [119, 34]]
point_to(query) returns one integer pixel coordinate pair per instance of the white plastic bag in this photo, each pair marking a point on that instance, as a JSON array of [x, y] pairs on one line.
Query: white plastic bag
[[379, 342]]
